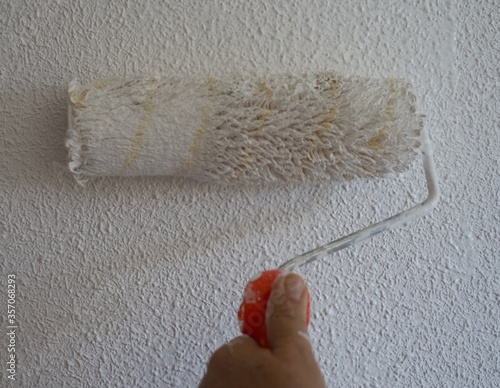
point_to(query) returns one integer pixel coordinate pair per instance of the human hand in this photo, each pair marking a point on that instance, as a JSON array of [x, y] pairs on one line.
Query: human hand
[[289, 362]]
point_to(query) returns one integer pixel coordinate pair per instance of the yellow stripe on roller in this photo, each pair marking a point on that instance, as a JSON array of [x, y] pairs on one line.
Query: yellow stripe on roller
[[263, 86], [77, 99], [268, 112], [200, 132], [375, 142], [138, 139], [328, 118], [247, 152]]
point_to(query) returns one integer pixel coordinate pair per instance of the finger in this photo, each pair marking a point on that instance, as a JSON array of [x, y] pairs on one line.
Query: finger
[[287, 313], [242, 345], [238, 363], [237, 348]]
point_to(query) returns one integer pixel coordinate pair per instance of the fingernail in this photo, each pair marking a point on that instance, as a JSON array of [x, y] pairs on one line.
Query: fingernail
[[294, 287]]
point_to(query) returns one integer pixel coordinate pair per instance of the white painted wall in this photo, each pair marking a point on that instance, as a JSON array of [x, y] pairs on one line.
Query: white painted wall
[[134, 282]]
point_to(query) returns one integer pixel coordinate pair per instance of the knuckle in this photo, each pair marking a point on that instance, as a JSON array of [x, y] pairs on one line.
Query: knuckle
[[217, 357]]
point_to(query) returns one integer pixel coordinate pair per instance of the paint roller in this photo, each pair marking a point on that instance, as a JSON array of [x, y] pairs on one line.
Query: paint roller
[[243, 129], [252, 129]]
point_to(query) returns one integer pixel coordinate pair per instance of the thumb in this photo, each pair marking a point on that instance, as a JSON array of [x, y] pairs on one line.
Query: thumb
[[287, 313]]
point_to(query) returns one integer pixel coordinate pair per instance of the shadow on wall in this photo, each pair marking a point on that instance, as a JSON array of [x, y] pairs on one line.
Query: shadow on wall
[[33, 141], [35, 156]]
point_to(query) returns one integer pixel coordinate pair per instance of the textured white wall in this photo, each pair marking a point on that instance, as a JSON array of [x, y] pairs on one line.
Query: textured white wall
[[134, 282]]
